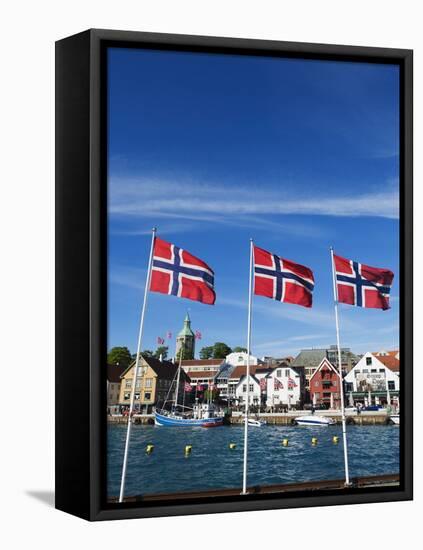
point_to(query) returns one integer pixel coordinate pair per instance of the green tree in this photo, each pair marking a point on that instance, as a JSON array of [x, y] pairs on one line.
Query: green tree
[[221, 350], [238, 349], [211, 395], [146, 353], [161, 350], [206, 352], [119, 355]]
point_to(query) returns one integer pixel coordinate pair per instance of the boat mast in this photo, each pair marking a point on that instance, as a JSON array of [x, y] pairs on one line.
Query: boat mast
[[179, 371]]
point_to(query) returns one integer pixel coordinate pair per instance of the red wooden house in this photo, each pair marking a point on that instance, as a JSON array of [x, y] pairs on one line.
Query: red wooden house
[[325, 386]]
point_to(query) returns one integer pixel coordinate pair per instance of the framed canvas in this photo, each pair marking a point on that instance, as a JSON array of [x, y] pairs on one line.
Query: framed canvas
[[234, 251]]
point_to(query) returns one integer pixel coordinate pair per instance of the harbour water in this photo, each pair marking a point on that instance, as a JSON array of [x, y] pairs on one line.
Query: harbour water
[[373, 450]]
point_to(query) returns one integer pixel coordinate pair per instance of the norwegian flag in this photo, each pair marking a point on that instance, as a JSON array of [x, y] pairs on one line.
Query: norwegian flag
[[362, 285], [282, 280], [169, 335], [200, 387], [160, 340], [177, 272], [277, 384], [263, 384], [198, 335], [187, 387], [291, 383]]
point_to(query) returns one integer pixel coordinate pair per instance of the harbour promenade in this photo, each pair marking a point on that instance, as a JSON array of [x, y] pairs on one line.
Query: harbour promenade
[[365, 418]]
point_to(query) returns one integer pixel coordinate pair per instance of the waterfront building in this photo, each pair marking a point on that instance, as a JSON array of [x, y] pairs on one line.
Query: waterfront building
[[309, 360], [255, 394], [324, 386], [186, 340], [374, 380], [202, 371], [284, 387], [114, 373], [153, 384], [225, 382]]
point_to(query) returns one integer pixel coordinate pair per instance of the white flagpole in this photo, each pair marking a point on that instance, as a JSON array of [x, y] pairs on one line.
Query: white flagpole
[[137, 362], [344, 424], [247, 402]]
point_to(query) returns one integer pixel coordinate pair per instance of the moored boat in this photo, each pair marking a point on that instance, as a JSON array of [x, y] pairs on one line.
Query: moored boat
[[203, 415], [395, 418], [314, 420], [256, 423]]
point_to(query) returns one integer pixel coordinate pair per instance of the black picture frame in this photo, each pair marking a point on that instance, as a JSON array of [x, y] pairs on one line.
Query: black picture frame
[[81, 269]]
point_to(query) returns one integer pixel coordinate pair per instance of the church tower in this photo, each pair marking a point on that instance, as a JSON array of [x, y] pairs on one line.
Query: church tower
[[186, 340]]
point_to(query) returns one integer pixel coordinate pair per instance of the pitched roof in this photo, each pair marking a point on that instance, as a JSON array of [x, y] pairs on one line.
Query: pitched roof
[[390, 353], [114, 372], [241, 370], [389, 361], [166, 370], [324, 363], [309, 358]]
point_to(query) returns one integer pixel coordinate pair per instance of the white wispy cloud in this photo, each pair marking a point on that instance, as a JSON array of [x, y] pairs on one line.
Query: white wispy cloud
[[217, 203]]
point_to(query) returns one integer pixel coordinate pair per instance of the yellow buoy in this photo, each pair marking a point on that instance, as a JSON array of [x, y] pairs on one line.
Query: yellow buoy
[[314, 440], [149, 449], [232, 445], [285, 442], [335, 439], [188, 449]]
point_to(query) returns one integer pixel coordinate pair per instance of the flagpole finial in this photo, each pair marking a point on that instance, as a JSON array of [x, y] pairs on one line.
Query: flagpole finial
[[154, 230]]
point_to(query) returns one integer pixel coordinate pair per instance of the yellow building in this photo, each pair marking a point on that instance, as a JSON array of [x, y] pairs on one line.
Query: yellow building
[[153, 383]]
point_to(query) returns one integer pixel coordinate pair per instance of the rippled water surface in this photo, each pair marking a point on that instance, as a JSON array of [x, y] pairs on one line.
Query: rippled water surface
[[372, 450]]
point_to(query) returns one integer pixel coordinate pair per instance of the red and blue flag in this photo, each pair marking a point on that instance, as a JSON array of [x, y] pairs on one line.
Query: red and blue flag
[[362, 285], [178, 273], [281, 279]]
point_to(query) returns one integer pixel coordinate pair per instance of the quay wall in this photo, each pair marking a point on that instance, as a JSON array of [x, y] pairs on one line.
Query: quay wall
[[283, 419]]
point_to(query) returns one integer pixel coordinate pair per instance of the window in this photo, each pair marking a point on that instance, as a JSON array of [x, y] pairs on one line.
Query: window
[[138, 384], [148, 382], [373, 370], [368, 360], [126, 396], [147, 396], [365, 371], [279, 373], [316, 383], [317, 395], [391, 385], [349, 387], [251, 387], [381, 370], [326, 394], [128, 383], [137, 395], [244, 388], [287, 373]]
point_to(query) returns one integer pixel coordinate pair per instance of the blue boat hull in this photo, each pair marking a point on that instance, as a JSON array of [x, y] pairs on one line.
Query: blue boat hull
[[163, 420]]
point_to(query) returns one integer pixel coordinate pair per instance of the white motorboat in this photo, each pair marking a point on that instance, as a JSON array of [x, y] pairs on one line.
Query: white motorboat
[[256, 423], [395, 419], [314, 420]]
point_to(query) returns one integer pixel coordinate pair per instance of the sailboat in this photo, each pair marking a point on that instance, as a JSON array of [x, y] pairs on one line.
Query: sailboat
[[204, 415]]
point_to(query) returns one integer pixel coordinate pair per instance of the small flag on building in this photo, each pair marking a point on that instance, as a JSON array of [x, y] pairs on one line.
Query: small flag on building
[[187, 387], [169, 335], [362, 285], [178, 273], [199, 387], [198, 335], [291, 383], [277, 384], [160, 340], [263, 384], [282, 280]]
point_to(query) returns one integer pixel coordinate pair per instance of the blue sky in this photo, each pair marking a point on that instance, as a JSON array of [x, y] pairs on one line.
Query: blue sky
[[213, 150]]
